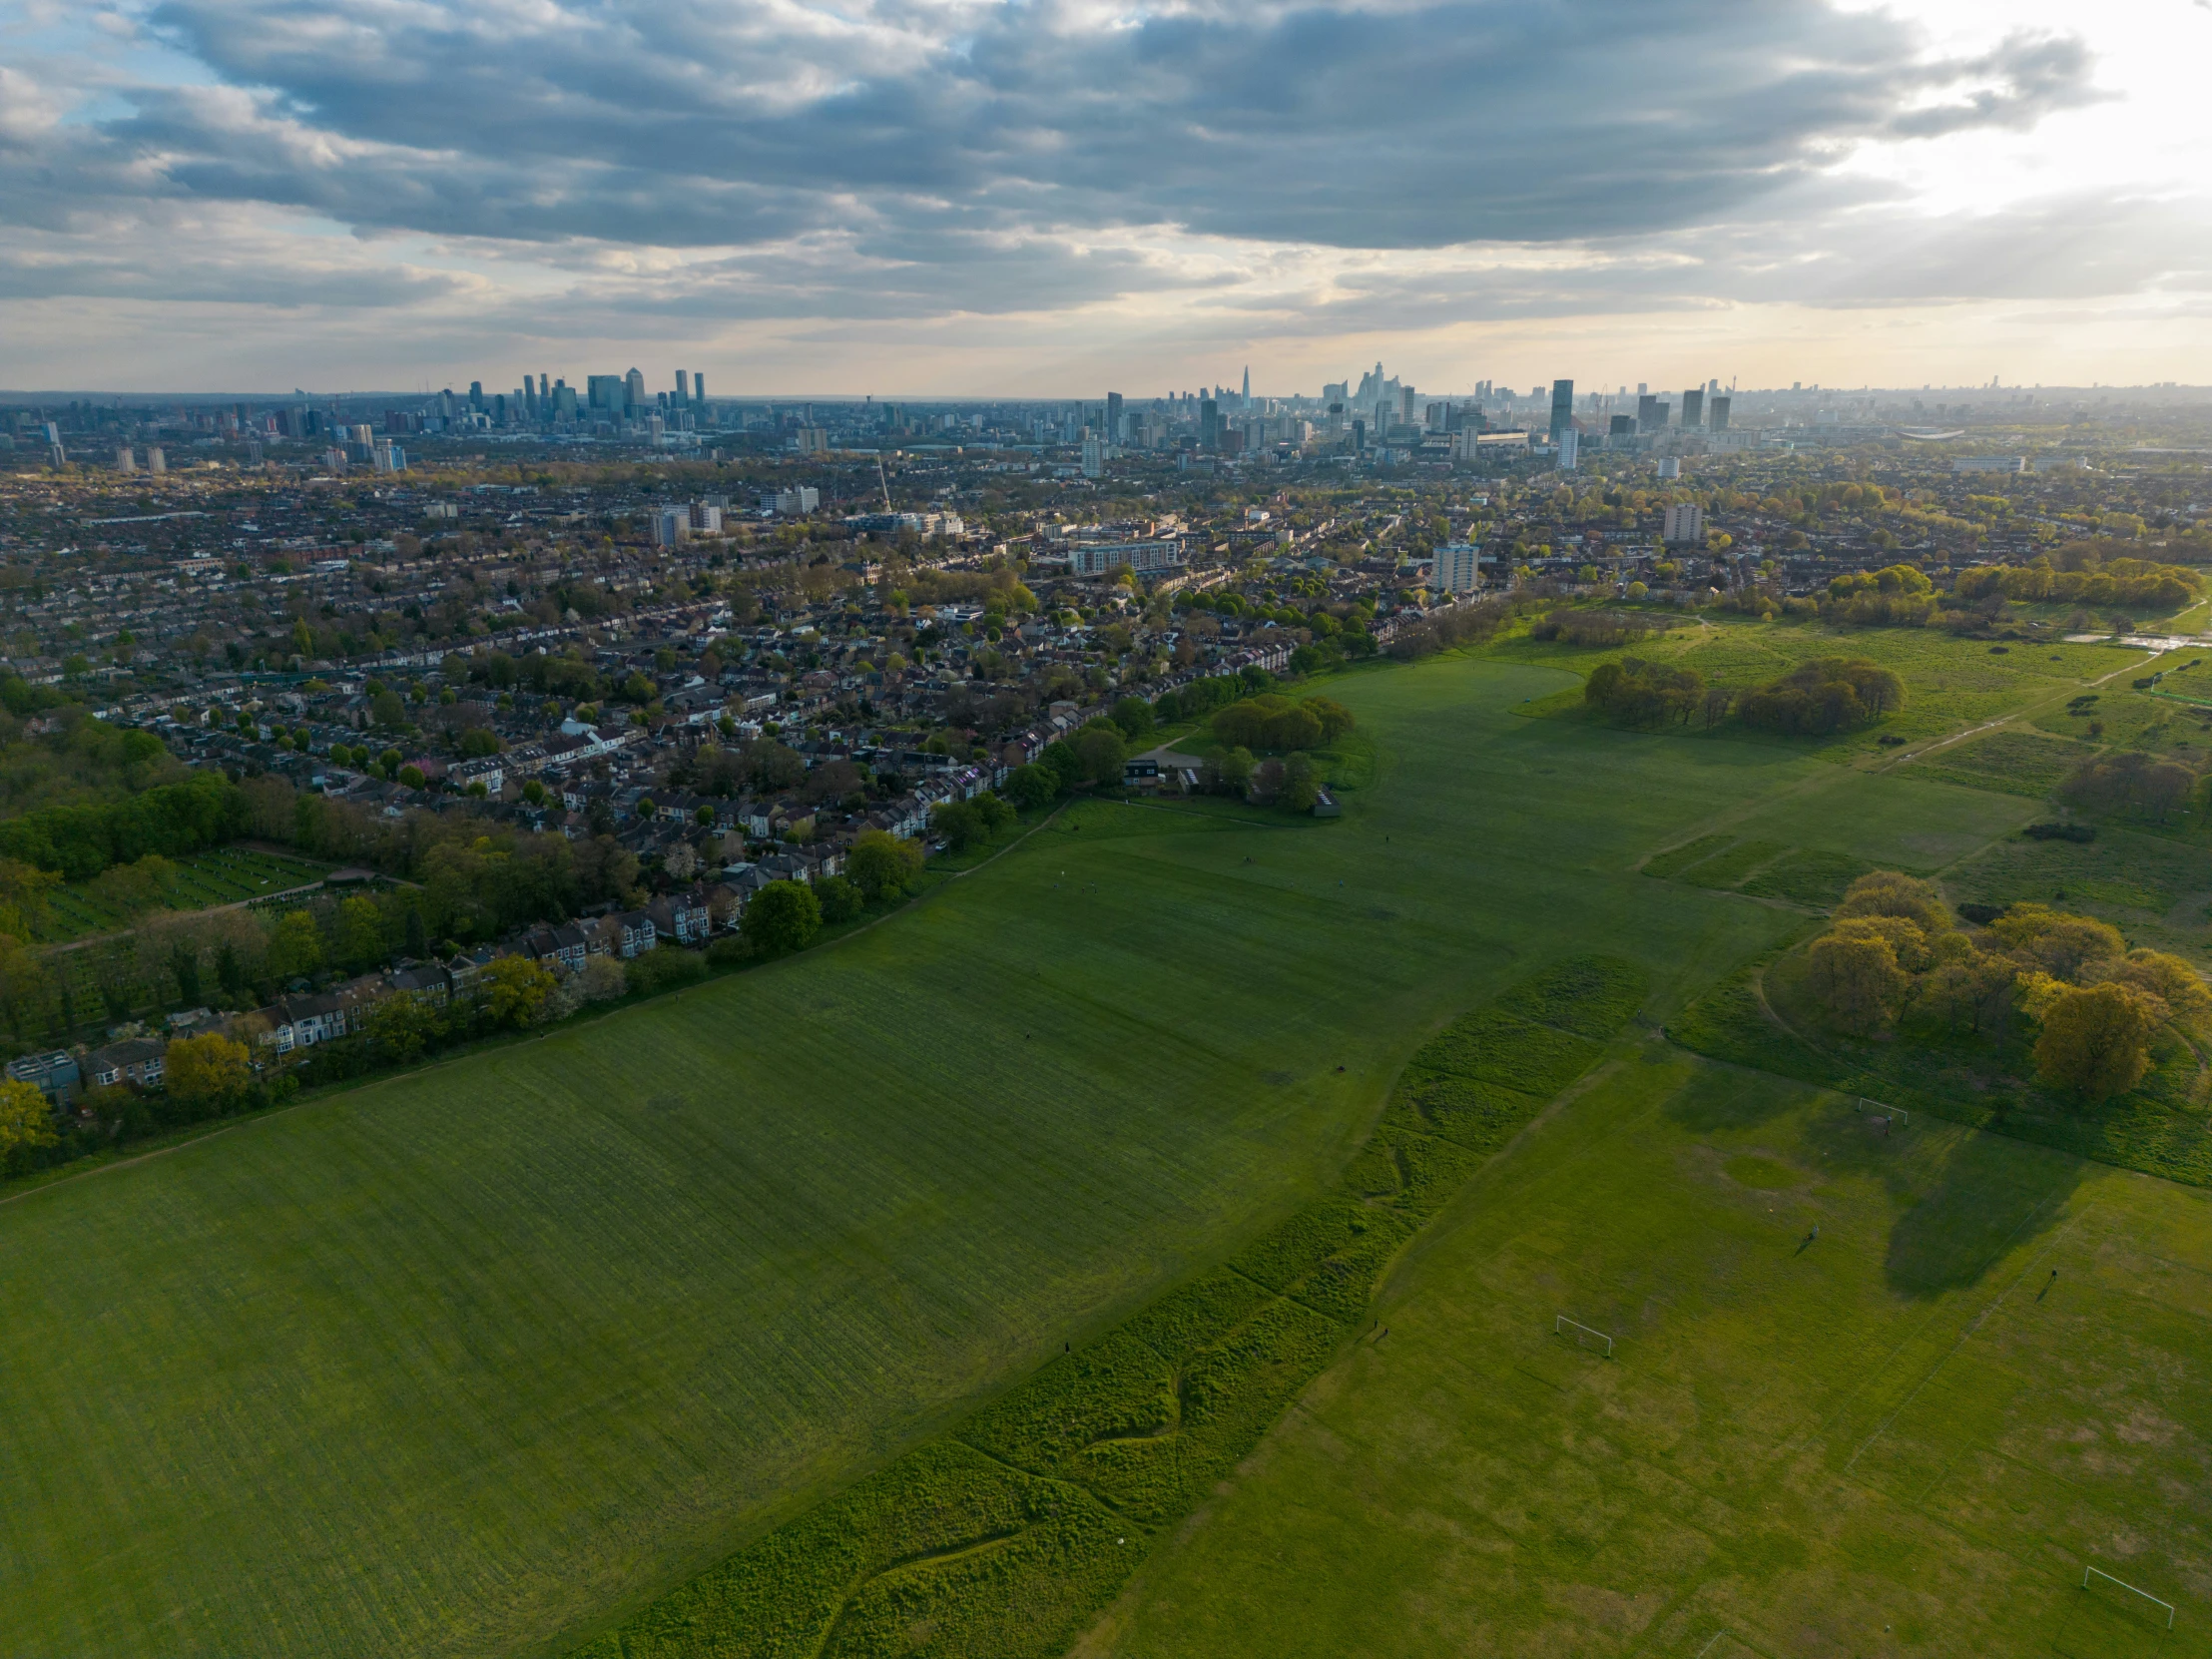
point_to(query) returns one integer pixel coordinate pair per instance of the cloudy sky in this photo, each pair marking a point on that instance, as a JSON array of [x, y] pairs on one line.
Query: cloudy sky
[[1057, 196]]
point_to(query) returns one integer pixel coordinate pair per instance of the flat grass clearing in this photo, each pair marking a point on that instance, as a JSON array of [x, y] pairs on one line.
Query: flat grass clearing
[[2170, 719], [223, 875], [2156, 890], [2013, 761], [1903, 1438], [481, 1359]]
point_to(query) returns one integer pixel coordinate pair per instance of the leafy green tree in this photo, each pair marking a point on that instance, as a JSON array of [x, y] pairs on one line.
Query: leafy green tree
[[183, 967], [1032, 786], [1100, 752], [1060, 759], [2095, 1040], [361, 932], [1300, 783], [1134, 716], [294, 948], [516, 990], [229, 972], [2064, 946], [782, 918], [400, 1027], [208, 1072], [958, 823], [26, 1121], [1857, 978], [841, 898], [882, 865]]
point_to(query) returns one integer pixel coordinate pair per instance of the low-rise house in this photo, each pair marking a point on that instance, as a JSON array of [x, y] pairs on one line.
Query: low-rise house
[[140, 1061], [561, 948], [303, 1021], [54, 1074], [684, 917], [424, 984], [466, 969], [635, 933]]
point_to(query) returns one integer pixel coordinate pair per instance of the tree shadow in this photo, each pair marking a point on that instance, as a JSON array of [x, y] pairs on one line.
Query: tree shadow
[[1987, 1197], [1960, 1208]]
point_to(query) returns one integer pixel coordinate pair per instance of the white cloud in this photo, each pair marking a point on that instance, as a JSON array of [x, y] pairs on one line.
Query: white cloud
[[1188, 176]]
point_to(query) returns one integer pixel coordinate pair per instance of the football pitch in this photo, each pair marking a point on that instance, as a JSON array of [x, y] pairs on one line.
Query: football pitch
[[1917, 1432]]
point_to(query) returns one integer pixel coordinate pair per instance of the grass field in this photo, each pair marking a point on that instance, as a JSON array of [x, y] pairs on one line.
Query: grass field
[[485, 1358], [1903, 1438], [476, 1360]]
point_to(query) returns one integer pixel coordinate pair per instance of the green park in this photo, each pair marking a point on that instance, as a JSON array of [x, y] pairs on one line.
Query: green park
[[1706, 1154]]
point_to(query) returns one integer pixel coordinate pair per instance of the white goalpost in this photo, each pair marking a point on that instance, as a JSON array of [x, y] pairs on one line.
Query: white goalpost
[[1582, 1336], [2088, 1574], [1875, 1108]]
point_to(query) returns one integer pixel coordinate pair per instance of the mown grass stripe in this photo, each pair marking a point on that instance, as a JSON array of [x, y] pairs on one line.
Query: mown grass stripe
[[1140, 1421]]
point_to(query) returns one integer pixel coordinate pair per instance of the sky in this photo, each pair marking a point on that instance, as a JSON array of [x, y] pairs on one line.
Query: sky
[[1058, 198]]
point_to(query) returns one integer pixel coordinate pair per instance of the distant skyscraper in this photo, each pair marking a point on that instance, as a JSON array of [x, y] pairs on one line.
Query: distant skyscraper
[[1719, 420], [1693, 409], [682, 386], [155, 461], [699, 385], [1209, 423], [1651, 414], [1569, 444], [633, 386], [1246, 395], [124, 462], [1113, 417], [1562, 408]]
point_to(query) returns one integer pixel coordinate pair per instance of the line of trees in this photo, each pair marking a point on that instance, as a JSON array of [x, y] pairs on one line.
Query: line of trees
[[2137, 584], [1823, 696], [175, 820], [1896, 948]]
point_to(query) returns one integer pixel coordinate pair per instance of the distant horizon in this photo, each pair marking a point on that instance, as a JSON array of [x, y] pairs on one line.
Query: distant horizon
[[1581, 389]]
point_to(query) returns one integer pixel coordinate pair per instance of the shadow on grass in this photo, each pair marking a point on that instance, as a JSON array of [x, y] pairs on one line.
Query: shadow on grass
[[1962, 1200], [1987, 1197]]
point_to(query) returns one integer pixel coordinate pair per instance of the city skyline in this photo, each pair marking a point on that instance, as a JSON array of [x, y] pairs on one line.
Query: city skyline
[[999, 201]]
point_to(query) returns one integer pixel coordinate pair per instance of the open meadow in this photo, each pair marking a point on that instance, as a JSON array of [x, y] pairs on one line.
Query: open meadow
[[473, 1360], [492, 1357], [1911, 1434]]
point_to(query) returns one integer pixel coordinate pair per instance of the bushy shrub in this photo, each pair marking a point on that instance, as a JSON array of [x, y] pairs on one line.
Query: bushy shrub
[[655, 971], [840, 899], [781, 916], [1574, 627], [1642, 693]]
